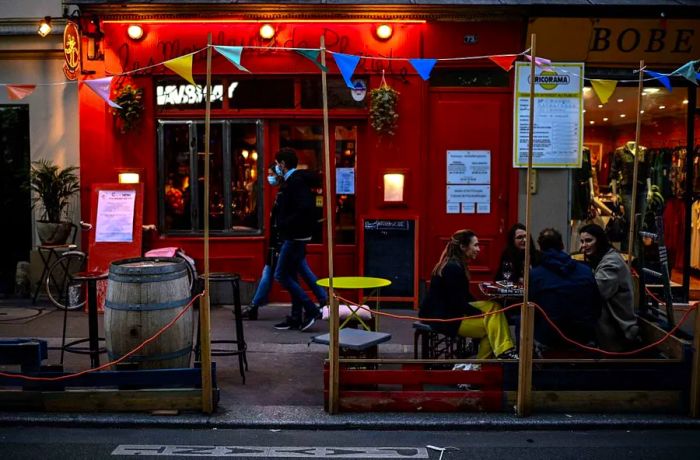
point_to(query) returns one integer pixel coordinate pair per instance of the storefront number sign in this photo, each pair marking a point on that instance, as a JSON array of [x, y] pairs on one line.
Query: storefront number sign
[[558, 120], [468, 181], [115, 216]]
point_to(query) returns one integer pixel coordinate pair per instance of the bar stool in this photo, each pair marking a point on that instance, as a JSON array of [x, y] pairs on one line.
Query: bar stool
[[48, 253], [94, 350], [234, 281]]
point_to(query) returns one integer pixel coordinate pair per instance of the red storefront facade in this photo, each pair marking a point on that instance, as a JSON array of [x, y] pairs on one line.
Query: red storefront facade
[[465, 105]]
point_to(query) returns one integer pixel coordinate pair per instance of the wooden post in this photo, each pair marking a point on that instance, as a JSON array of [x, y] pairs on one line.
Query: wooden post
[[695, 377], [633, 205], [333, 349], [204, 320], [527, 316]]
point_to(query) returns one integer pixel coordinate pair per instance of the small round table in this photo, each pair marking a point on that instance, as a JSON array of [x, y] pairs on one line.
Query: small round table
[[356, 282]]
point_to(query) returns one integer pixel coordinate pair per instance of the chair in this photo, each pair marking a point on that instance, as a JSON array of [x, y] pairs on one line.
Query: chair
[[233, 279]]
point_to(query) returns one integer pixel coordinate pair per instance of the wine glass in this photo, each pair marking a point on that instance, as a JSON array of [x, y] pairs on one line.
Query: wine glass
[[507, 272]]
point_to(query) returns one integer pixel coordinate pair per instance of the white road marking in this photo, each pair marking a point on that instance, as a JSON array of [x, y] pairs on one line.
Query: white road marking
[[271, 452]]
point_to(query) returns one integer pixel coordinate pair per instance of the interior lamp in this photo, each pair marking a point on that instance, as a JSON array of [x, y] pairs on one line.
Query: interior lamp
[[267, 31], [129, 178], [44, 26], [393, 187], [135, 32], [244, 154], [384, 31]]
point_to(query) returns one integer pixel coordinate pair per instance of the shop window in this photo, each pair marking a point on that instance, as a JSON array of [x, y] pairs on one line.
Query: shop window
[[307, 140], [469, 78], [235, 186], [339, 95], [261, 93]]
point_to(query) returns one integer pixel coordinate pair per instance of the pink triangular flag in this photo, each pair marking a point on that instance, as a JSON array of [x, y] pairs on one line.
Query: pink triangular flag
[[19, 92], [504, 62], [546, 64], [101, 87]]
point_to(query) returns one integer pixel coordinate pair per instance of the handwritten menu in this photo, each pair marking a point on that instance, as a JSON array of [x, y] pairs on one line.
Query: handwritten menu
[[558, 123]]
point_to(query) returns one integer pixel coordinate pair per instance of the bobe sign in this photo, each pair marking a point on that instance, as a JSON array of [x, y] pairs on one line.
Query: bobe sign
[[649, 40]]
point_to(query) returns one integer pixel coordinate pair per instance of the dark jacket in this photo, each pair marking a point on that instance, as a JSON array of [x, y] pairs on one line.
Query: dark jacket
[[295, 207], [567, 291], [448, 297]]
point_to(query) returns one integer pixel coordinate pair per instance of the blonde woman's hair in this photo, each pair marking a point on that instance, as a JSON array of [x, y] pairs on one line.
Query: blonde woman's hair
[[453, 251]]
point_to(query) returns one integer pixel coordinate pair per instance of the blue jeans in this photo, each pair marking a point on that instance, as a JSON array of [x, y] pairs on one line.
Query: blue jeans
[[261, 293], [289, 264]]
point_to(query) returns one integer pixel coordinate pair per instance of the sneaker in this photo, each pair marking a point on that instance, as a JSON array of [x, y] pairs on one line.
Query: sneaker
[[510, 354], [309, 321], [288, 323], [250, 312]]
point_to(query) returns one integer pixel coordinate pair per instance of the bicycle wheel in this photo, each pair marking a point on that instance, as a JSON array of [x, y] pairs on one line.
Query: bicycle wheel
[[64, 291]]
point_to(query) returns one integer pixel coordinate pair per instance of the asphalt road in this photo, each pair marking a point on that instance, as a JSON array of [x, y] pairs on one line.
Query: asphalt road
[[82, 443]]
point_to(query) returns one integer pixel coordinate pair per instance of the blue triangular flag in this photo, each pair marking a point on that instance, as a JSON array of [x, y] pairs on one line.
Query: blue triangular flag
[[423, 66], [662, 78], [233, 54], [688, 71], [346, 63]]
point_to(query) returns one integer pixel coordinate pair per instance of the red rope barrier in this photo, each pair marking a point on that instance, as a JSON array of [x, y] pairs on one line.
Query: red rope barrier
[[551, 323], [109, 364]]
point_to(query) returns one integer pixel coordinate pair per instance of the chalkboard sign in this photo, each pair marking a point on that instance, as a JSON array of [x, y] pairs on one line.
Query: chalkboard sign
[[390, 252]]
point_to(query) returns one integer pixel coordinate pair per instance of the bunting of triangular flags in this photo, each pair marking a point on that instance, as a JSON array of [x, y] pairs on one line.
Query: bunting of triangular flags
[[182, 66], [687, 71], [19, 92], [100, 86], [546, 64], [504, 62], [233, 54], [604, 89], [423, 66], [346, 64], [662, 78], [312, 55]]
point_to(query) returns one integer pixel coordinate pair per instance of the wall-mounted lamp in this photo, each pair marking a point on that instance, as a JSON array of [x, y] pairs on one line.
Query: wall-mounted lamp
[[393, 188], [44, 26], [129, 178], [135, 32], [384, 31], [267, 31], [94, 44]]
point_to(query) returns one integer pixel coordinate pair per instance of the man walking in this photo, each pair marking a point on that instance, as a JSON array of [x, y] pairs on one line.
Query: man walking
[[295, 219]]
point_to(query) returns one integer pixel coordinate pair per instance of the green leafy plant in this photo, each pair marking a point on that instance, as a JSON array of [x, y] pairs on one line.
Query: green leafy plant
[[53, 186], [382, 110], [130, 99]]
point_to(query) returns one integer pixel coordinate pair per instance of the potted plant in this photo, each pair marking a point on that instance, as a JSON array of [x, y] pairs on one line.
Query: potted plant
[[382, 110], [53, 187], [130, 99]]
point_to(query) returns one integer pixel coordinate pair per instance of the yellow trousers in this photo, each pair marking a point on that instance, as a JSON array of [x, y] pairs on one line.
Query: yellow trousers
[[492, 330]]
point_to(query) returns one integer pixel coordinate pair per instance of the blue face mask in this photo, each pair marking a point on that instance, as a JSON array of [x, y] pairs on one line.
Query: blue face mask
[[273, 180], [278, 170]]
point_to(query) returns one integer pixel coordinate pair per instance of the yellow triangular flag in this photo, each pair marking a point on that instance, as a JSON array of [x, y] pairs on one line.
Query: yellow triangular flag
[[604, 89], [182, 66]]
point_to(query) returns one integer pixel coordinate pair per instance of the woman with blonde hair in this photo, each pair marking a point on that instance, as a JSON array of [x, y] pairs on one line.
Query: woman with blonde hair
[[449, 297]]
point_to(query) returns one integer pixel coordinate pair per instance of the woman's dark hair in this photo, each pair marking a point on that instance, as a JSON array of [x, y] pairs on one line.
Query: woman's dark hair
[[602, 243], [516, 256], [453, 251]]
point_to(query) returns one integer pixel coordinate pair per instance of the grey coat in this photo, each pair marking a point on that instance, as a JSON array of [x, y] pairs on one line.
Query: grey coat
[[617, 326]]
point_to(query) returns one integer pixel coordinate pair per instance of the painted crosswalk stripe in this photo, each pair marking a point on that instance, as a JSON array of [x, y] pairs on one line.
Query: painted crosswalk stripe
[[271, 452]]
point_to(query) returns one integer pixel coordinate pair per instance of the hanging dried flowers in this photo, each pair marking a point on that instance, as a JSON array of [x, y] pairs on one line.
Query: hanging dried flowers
[[130, 99], [382, 110]]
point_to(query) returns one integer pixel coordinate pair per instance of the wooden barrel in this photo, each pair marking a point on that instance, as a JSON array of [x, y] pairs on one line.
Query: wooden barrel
[[143, 295]]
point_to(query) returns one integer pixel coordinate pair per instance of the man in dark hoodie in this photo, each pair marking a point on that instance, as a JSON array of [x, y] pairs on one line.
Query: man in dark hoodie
[[566, 290], [295, 220]]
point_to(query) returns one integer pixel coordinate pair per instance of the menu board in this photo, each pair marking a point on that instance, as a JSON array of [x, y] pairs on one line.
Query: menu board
[[468, 182], [115, 216], [558, 123]]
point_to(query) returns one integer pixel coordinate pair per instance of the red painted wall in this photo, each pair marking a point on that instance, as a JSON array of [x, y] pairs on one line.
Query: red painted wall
[[104, 151]]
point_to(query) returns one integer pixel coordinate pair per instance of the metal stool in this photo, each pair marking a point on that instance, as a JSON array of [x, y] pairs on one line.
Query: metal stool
[[93, 339], [430, 344], [49, 253], [239, 341]]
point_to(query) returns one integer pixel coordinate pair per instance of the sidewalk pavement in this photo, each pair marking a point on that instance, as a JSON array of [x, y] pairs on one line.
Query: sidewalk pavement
[[284, 386]]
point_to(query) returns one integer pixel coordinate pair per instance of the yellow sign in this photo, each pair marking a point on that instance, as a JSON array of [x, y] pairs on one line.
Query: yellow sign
[[617, 41], [71, 51]]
